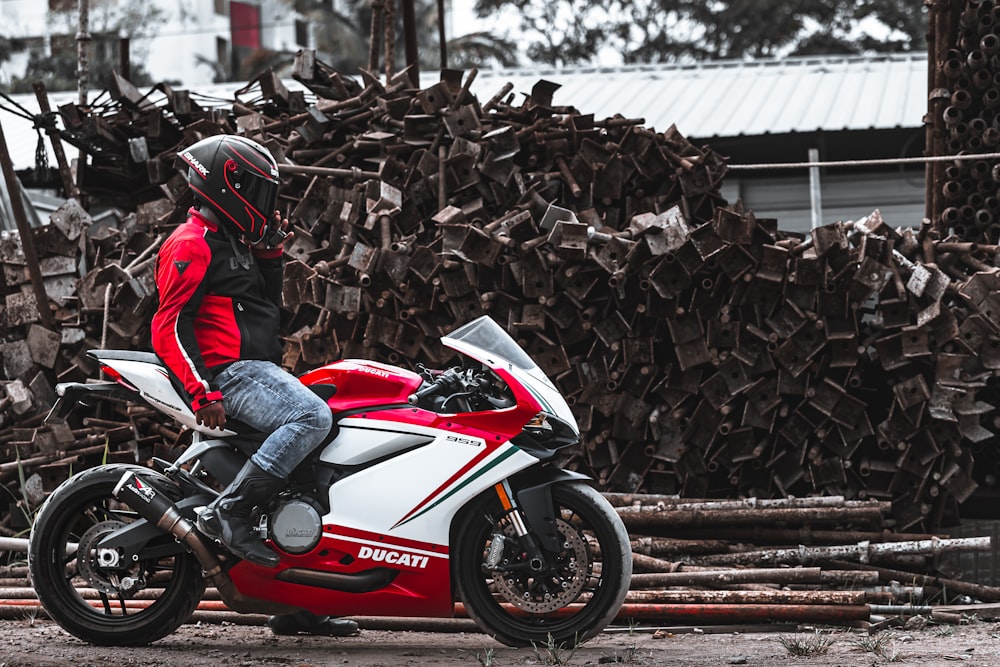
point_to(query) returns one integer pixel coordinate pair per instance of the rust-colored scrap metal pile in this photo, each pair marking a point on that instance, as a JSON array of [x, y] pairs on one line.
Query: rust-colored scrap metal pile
[[705, 352], [964, 53]]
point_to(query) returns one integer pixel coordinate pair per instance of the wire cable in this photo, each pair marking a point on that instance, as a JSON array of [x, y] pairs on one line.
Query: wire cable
[[18, 109], [864, 163]]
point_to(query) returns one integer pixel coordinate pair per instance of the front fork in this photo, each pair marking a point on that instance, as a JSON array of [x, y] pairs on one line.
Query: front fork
[[536, 559]]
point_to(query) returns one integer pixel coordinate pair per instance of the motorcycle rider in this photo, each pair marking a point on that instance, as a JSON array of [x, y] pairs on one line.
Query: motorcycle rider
[[219, 277]]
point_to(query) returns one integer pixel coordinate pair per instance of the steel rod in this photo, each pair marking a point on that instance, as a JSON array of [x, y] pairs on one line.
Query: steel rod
[[863, 551], [24, 230], [695, 517]]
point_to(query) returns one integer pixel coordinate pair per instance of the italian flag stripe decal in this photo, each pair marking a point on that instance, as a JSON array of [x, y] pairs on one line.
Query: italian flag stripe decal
[[510, 451]]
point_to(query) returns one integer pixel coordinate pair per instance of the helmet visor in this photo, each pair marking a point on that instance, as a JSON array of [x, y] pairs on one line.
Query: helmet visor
[[259, 191], [260, 194]]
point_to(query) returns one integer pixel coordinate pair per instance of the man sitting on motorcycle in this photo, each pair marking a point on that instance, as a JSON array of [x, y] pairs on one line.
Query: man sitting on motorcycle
[[219, 277]]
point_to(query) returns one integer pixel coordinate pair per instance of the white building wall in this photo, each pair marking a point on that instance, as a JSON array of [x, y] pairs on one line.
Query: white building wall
[[899, 197], [278, 20], [189, 31], [190, 35], [186, 35]]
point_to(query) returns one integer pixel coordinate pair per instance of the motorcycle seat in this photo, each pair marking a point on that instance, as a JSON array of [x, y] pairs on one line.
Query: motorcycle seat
[[126, 355], [324, 391]]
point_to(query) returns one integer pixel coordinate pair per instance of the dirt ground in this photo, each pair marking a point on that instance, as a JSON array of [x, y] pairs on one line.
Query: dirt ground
[[41, 643]]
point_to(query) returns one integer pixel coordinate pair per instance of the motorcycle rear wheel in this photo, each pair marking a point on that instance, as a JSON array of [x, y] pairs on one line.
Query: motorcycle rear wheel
[[84, 597], [594, 566]]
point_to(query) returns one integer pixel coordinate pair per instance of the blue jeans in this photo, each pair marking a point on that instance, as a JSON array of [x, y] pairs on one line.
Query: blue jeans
[[266, 397]]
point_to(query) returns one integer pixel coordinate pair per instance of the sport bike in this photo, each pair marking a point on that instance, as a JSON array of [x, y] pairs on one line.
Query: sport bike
[[433, 486]]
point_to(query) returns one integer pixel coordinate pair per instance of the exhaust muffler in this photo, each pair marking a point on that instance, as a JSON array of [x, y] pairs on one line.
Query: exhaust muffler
[[159, 510]]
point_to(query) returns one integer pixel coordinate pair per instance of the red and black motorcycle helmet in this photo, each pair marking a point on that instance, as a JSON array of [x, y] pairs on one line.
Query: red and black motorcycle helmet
[[238, 179]]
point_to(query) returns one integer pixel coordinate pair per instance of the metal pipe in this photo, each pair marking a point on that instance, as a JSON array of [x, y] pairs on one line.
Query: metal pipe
[[901, 609], [669, 517], [373, 46], [28, 593], [815, 190], [863, 551], [747, 597], [721, 577], [410, 41], [761, 535], [977, 591], [652, 499], [41, 94], [390, 38], [14, 545], [124, 62], [663, 546], [735, 612], [82, 43], [442, 38], [354, 172], [24, 230]]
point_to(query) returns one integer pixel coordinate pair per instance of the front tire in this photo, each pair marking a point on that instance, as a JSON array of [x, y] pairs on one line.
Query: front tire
[[90, 601], [520, 608]]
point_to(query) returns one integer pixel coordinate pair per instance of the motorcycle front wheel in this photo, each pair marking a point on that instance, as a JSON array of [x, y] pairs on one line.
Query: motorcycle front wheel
[[567, 603], [125, 605]]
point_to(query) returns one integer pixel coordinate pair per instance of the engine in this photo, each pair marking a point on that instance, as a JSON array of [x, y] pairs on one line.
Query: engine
[[296, 526]]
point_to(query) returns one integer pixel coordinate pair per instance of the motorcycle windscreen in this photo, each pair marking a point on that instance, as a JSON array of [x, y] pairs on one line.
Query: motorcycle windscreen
[[487, 342]]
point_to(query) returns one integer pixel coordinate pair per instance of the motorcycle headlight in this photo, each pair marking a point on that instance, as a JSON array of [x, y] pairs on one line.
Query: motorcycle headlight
[[540, 422], [547, 431]]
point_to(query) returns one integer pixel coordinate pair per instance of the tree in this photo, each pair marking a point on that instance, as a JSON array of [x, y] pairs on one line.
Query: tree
[[562, 32], [57, 66], [343, 36], [479, 49]]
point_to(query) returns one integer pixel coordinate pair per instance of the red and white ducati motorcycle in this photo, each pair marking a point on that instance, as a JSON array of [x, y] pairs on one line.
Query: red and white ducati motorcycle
[[432, 487]]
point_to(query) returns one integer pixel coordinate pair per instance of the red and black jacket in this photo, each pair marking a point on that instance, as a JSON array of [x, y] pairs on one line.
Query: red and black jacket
[[219, 303]]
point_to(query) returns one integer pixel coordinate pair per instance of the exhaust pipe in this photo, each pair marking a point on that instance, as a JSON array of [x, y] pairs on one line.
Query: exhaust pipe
[[157, 509]]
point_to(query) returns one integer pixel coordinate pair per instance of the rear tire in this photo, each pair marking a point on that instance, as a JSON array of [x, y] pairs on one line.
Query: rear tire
[[520, 609], [77, 514]]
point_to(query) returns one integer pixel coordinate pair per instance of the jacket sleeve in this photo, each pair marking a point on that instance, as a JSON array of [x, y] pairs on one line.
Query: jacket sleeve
[[180, 274], [272, 267]]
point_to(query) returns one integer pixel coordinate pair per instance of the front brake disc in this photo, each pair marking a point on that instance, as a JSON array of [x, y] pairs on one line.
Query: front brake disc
[[553, 589]]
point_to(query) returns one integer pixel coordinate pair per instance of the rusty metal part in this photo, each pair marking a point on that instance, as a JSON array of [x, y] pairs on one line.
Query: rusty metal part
[[886, 574], [864, 552], [727, 577], [634, 518], [704, 351]]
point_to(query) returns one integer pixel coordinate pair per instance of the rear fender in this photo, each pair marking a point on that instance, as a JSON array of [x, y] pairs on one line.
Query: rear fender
[[72, 394]]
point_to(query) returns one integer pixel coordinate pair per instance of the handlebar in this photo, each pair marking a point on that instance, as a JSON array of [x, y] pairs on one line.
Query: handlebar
[[422, 393], [446, 382], [471, 388]]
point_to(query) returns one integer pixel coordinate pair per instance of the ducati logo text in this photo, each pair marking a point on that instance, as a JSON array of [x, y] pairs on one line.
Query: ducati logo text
[[392, 557], [374, 371]]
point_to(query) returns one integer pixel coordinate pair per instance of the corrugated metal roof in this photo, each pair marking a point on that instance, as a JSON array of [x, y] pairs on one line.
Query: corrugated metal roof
[[735, 98], [706, 100]]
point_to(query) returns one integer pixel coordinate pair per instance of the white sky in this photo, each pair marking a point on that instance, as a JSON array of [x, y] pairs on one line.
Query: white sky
[[463, 20]]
